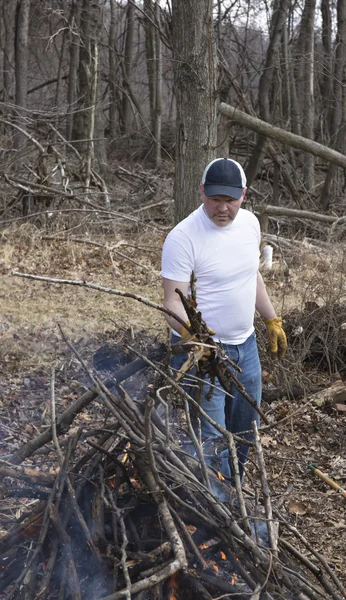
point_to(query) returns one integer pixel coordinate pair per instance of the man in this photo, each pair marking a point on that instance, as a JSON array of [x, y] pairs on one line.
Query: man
[[220, 242]]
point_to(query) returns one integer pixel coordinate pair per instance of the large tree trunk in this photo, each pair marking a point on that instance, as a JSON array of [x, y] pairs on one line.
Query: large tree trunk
[[331, 189], [21, 66], [195, 77], [265, 84], [326, 85], [128, 59]]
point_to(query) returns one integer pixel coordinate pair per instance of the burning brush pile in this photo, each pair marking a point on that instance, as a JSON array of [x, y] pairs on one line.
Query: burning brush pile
[[132, 514]]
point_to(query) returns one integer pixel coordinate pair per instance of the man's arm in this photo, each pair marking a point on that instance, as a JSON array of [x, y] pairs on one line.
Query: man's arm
[[277, 336], [173, 302], [263, 303]]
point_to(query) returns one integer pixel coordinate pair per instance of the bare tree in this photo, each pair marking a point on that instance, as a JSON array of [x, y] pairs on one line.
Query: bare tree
[[195, 92], [338, 116], [266, 82], [21, 64], [88, 134]]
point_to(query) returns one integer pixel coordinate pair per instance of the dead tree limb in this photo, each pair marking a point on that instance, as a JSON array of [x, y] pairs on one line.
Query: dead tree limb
[[286, 137]]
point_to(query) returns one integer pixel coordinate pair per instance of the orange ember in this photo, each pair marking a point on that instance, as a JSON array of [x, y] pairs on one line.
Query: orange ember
[[216, 568], [223, 555], [191, 528], [202, 546], [220, 476], [173, 586], [135, 482]]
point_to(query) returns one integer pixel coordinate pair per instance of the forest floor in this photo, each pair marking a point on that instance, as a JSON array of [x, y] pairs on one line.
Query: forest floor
[[31, 344]]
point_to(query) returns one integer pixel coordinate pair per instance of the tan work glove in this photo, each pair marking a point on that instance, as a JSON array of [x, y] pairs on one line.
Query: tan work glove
[[277, 337], [188, 337]]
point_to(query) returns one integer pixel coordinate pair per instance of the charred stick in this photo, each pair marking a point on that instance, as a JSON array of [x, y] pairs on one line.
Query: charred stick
[[97, 507], [73, 582], [197, 446], [236, 475], [271, 525], [120, 520], [7, 469], [189, 539]]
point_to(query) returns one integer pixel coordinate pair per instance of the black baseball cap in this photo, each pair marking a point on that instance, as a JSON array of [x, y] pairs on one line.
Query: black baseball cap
[[224, 177]]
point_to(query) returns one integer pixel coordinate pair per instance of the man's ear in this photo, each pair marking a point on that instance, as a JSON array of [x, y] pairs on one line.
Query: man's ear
[[201, 190], [243, 195]]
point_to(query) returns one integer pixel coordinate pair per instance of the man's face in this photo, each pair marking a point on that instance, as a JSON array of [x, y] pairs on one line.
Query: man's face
[[222, 210]]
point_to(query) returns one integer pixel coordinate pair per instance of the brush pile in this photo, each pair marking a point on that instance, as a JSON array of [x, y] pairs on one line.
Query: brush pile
[[134, 515]]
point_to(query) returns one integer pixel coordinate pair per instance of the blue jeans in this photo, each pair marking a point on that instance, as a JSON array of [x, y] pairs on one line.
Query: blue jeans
[[234, 414]]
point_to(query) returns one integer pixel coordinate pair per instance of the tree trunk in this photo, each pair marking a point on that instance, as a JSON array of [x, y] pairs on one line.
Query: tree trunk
[[265, 85], [158, 94], [327, 68], [21, 67], [113, 73], [128, 59], [8, 19], [338, 120], [195, 93], [89, 105], [305, 84], [74, 44]]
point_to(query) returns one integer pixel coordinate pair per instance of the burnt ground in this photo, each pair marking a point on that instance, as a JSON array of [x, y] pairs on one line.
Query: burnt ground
[[302, 430]]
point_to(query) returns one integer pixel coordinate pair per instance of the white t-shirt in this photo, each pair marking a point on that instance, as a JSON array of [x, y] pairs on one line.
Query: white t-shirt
[[225, 261]]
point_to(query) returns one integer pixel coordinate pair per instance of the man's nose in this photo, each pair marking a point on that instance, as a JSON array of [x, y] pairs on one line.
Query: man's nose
[[223, 206]]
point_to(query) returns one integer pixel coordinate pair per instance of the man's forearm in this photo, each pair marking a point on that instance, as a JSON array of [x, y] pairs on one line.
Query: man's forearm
[[263, 303], [178, 309]]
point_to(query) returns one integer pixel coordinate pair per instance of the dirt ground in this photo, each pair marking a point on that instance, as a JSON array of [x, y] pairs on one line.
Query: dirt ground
[[31, 344]]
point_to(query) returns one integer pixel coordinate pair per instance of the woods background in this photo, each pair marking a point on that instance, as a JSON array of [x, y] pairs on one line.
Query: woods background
[[142, 82]]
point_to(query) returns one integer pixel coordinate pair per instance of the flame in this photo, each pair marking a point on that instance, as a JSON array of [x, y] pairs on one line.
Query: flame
[[215, 567], [112, 482], [220, 476], [173, 586], [234, 578], [223, 555], [202, 546], [135, 482], [191, 528]]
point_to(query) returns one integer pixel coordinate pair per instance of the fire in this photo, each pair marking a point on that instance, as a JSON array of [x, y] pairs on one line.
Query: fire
[[215, 567], [202, 546], [112, 482], [135, 482], [220, 476], [223, 555], [173, 586], [191, 528]]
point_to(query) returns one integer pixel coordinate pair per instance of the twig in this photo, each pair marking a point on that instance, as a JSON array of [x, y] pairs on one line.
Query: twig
[[272, 531], [101, 288]]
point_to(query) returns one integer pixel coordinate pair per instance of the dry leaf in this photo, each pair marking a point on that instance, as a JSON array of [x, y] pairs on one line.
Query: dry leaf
[[297, 507], [267, 441]]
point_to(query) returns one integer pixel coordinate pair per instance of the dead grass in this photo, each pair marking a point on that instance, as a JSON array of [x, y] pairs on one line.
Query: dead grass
[[31, 310]]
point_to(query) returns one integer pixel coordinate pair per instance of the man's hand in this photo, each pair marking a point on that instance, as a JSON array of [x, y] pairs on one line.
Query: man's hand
[[186, 336], [277, 337]]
